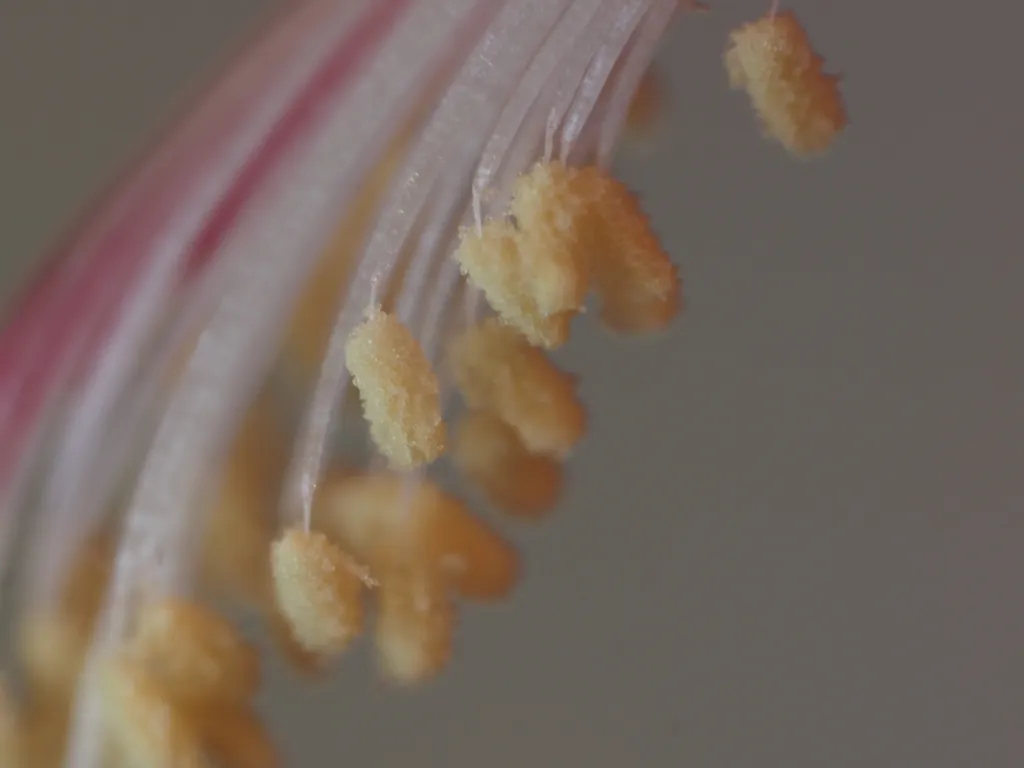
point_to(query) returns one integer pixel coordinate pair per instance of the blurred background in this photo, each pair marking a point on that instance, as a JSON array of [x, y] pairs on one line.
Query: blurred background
[[794, 535]]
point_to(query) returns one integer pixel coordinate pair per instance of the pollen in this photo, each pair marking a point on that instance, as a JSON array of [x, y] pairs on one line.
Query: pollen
[[497, 369], [534, 268], [553, 225], [799, 105], [303, 661], [392, 524], [194, 653], [145, 726], [415, 624], [490, 454], [638, 284], [400, 391], [318, 590]]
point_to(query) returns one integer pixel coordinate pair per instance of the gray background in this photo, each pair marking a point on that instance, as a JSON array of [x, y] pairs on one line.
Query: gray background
[[794, 535]]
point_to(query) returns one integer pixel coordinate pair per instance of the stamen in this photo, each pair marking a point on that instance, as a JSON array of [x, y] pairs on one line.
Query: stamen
[[400, 391], [497, 370], [318, 591], [144, 725], [798, 104], [489, 453], [637, 281], [194, 654], [415, 624], [389, 525]]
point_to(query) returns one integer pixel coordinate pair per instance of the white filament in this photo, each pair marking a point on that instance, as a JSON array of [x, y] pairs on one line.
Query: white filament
[[277, 241], [614, 36], [75, 480], [508, 153], [445, 151], [538, 58]]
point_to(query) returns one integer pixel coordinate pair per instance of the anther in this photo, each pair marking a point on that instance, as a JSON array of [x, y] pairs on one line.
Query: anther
[[489, 453], [318, 591], [496, 369], [399, 388], [798, 104]]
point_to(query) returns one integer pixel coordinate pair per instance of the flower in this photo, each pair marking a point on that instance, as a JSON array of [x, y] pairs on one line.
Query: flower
[[344, 266]]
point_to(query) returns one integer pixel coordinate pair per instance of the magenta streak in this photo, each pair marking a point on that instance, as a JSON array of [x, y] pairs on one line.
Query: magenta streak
[[45, 331]]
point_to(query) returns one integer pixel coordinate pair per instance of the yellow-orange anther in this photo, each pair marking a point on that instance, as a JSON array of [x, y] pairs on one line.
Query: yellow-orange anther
[[302, 660], [194, 653], [234, 737], [496, 369], [415, 624], [145, 726], [490, 453], [390, 523], [638, 283], [534, 270], [493, 262], [552, 221], [318, 590], [798, 103], [399, 388]]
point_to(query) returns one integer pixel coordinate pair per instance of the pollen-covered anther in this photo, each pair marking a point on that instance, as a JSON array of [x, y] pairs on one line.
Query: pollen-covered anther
[[309, 664], [415, 624], [489, 453], [535, 268], [799, 104], [638, 284], [319, 591], [391, 522], [194, 653], [145, 726], [399, 388], [496, 369]]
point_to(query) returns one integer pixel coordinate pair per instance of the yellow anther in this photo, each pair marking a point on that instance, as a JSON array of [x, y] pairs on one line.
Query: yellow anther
[[415, 624], [799, 104], [318, 591], [638, 284], [496, 369], [391, 523], [490, 454], [194, 653], [146, 727], [399, 388], [534, 269]]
